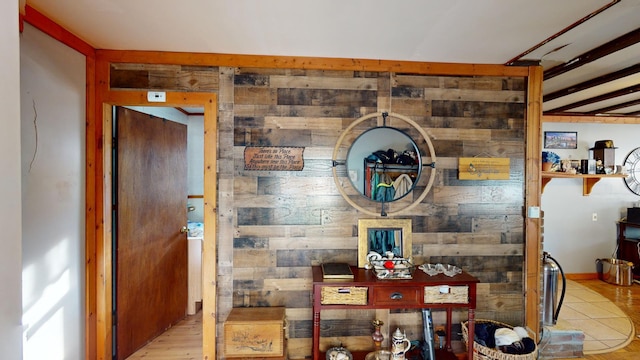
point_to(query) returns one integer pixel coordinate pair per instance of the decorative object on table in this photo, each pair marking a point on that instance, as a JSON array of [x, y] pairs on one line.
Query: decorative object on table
[[560, 140], [339, 353], [392, 268], [377, 336], [336, 271], [435, 269], [632, 167], [383, 236], [550, 161], [399, 345]]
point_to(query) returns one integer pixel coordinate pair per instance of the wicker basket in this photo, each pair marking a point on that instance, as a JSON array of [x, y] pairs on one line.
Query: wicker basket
[[481, 352], [444, 294], [348, 295]]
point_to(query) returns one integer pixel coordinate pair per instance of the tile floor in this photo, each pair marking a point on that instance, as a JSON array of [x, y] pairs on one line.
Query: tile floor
[[605, 326]]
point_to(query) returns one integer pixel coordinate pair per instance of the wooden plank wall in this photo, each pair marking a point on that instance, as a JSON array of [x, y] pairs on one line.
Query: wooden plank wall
[[274, 225]]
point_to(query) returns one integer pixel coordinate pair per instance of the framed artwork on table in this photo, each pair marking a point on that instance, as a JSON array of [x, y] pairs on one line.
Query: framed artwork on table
[[383, 236]]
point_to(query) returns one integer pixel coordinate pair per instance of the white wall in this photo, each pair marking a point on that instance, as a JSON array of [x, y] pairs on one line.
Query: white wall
[[10, 206], [53, 186], [570, 235], [195, 167]]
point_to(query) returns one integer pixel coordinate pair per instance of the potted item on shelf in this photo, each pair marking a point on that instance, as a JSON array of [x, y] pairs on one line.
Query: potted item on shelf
[[550, 161]]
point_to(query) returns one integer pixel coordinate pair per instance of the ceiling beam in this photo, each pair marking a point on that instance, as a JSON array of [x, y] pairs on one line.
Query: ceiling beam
[[614, 107], [628, 39], [631, 70], [595, 99]]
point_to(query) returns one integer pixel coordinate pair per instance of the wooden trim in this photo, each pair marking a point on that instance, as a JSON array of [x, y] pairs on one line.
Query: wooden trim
[[582, 276], [591, 119], [209, 255], [90, 211], [291, 62], [47, 26], [101, 278], [533, 259]]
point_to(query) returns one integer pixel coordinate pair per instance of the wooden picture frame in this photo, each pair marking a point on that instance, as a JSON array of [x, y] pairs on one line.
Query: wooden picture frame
[[560, 140], [396, 231]]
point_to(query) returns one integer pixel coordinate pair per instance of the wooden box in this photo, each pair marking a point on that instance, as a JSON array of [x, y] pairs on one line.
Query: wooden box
[[255, 332]]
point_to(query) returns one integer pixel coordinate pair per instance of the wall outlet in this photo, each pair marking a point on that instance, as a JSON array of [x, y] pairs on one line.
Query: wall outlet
[[594, 217]]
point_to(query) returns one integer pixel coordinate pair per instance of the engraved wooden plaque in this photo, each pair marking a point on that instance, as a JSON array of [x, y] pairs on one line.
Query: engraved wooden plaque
[[478, 168], [273, 158]]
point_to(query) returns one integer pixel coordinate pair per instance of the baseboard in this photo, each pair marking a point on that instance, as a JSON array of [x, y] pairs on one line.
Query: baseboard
[[582, 276]]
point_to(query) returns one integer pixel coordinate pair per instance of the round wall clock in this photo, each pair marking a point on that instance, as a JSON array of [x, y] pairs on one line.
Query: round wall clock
[[632, 164]]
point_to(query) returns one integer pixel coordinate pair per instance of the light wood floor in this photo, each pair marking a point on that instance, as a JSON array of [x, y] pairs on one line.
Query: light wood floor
[[181, 342], [184, 341]]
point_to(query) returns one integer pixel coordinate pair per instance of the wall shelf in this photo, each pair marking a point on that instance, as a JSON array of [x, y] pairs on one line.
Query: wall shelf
[[588, 180]]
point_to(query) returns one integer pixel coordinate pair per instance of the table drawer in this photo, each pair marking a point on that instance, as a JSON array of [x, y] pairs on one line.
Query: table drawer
[[409, 295], [445, 294]]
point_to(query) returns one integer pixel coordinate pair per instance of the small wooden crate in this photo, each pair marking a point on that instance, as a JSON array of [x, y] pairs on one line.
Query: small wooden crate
[[344, 295], [445, 294], [255, 332]]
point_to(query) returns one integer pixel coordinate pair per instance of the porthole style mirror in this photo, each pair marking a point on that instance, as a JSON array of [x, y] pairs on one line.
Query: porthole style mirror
[[383, 165]]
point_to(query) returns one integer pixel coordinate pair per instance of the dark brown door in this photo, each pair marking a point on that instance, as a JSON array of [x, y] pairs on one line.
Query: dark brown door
[[151, 209]]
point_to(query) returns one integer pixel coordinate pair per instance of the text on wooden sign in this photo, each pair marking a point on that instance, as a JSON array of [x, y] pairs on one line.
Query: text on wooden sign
[[279, 158]]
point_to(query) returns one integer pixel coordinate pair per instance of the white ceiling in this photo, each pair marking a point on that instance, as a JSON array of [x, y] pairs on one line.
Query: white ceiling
[[454, 31]]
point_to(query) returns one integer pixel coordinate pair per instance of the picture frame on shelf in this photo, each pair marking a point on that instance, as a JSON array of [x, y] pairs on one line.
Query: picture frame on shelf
[[560, 139], [382, 235]]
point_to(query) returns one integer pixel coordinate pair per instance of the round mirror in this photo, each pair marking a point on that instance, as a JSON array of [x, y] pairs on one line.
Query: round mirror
[[384, 164], [370, 152]]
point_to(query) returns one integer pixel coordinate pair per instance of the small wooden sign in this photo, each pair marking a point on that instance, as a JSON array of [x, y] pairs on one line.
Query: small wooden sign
[[478, 168], [278, 158]]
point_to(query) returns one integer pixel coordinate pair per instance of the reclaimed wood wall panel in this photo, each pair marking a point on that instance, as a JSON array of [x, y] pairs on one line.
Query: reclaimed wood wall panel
[[274, 225]]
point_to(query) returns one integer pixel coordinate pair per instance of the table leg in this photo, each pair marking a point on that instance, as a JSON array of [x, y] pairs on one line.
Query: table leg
[[471, 323], [316, 335], [448, 325]]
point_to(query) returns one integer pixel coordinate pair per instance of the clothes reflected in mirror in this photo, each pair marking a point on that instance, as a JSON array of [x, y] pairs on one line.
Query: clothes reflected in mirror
[[377, 159], [383, 241], [390, 175]]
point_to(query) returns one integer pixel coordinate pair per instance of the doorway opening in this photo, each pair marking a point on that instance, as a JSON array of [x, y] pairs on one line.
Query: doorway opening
[[102, 277]]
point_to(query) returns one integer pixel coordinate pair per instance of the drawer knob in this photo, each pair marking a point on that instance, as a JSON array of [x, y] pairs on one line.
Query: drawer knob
[[396, 296]]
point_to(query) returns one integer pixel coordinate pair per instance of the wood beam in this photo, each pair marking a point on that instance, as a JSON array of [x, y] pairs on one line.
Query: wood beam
[[533, 191], [47, 26], [628, 39], [631, 70], [290, 62], [579, 118], [610, 95]]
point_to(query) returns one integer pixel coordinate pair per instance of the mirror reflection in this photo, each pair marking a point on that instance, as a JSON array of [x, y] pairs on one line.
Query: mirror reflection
[[384, 164]]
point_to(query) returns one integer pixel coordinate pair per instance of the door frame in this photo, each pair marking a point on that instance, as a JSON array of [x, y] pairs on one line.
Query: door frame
[[98, 263]]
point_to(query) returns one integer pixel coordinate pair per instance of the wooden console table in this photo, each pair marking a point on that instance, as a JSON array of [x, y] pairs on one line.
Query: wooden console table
[[416, 293]]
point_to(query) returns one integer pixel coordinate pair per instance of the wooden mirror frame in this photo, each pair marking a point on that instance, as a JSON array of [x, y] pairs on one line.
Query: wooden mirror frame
[[432, 155], [364, 225]]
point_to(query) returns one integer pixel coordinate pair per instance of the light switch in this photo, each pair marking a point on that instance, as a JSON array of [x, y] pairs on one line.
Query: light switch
[[533, 212]]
